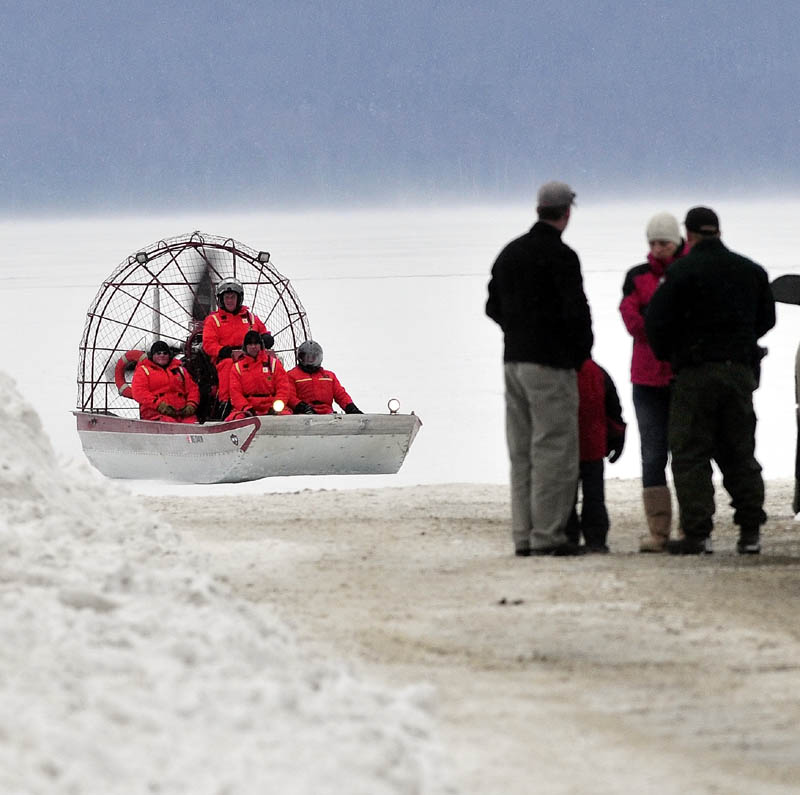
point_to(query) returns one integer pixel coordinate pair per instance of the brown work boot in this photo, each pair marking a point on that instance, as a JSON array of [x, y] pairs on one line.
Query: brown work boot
[[658, 511]]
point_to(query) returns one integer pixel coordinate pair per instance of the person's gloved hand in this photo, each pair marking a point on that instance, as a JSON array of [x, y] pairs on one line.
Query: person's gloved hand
[[616, 444], [351, 408], [188, 410], [224, 353], [268, 340], [303, 408], [164, 408], [250, 412]]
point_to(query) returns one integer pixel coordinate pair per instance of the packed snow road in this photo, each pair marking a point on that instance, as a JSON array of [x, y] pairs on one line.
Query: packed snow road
[[605, 674]]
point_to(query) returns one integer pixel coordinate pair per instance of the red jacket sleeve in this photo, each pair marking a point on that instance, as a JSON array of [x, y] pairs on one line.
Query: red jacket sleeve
[[293, 398], [140, 386], [258, 324], [211, 343], [631, 310], [283, 387], [238, 398], [339, 393]]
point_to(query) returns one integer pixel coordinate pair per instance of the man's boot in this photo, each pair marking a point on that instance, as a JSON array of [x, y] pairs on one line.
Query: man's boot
[[658, 511], [749, 542]]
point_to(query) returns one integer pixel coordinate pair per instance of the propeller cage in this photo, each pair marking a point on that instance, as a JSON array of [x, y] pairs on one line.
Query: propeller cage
[[165, 291]]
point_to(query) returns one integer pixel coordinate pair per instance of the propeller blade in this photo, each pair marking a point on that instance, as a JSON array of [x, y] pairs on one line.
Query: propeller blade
[[204, 302]]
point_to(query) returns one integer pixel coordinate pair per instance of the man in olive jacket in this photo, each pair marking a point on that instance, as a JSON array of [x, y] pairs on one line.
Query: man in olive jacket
[[706, 319], [536, 296]]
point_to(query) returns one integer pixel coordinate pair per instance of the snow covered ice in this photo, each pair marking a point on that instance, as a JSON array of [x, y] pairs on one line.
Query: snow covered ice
[[124, 668], [396, 298]]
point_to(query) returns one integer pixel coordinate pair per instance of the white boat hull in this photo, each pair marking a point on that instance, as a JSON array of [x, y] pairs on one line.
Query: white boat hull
[[248, 449]]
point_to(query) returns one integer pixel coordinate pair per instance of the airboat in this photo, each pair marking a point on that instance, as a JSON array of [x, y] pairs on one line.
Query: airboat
[[165, 291]]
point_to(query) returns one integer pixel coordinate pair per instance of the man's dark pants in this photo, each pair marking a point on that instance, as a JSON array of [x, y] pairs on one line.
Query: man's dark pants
[[712, 417]]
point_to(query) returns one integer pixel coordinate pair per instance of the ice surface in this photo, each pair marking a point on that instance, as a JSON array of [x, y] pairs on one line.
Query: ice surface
[[396, 297]]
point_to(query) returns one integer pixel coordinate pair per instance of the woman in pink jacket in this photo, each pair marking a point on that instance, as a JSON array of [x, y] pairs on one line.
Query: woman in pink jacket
[[651, 378], [163, 388]]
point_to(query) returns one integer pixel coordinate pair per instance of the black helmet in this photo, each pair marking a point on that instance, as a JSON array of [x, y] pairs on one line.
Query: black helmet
[[252, 338], [230, 286], [159, 346], [309, 355]]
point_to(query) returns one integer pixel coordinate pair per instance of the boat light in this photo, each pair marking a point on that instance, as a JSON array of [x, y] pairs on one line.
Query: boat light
[[263, 257], [393, 405], [278, 406], [141, 257]]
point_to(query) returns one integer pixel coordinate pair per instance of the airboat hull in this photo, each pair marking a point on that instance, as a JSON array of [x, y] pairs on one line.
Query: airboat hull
[[247, 449]]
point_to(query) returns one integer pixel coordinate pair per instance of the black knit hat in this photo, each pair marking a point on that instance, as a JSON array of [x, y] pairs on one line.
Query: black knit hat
[[158, 347], [702, 221], [252, 338]]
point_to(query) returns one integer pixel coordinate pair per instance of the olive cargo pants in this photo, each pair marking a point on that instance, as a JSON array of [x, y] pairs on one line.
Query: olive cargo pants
[[712, 417]]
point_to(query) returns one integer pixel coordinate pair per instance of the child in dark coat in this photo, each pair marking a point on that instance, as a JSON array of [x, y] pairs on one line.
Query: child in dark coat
[[602, 433]]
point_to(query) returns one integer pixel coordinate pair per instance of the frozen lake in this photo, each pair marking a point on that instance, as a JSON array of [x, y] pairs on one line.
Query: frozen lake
[[395, 297]]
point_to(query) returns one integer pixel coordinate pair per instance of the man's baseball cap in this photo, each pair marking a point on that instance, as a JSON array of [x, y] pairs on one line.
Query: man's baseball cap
[[555, 194], [702, 221]]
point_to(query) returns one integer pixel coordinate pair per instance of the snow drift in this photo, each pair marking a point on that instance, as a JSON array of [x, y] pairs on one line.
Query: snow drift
[[125, 668]]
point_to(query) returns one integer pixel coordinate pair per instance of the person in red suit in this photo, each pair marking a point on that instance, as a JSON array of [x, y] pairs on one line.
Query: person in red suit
[[163, 388], [315, 389], [258, 381], [224, 330], [601, 433]]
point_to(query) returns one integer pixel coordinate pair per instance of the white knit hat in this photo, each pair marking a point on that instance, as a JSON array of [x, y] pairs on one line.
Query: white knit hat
[[664, 226]]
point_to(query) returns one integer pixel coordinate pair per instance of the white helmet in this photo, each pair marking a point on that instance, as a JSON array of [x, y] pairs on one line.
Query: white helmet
[[230, 285]]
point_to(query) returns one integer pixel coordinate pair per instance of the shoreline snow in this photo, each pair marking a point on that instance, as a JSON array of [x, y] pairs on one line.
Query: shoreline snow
[[126, 668]]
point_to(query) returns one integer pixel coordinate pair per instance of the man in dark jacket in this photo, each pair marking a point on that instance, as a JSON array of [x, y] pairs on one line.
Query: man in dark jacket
[[536, 296], [706, 319]]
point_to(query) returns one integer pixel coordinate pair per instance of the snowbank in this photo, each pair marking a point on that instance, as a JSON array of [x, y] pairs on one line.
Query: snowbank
[[125, 668]]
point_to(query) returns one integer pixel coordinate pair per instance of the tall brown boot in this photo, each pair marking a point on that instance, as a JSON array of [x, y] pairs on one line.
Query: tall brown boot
[[658, 510]]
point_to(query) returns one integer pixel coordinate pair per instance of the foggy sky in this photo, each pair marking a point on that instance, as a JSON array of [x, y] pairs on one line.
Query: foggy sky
[[136, 105]]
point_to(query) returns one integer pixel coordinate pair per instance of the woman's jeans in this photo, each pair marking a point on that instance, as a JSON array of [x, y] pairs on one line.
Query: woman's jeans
[[651, 404]]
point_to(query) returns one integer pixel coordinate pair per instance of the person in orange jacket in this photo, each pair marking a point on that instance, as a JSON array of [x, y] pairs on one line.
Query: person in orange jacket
[[315, 389], [163, 388], [258, 380], [224, 330]]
